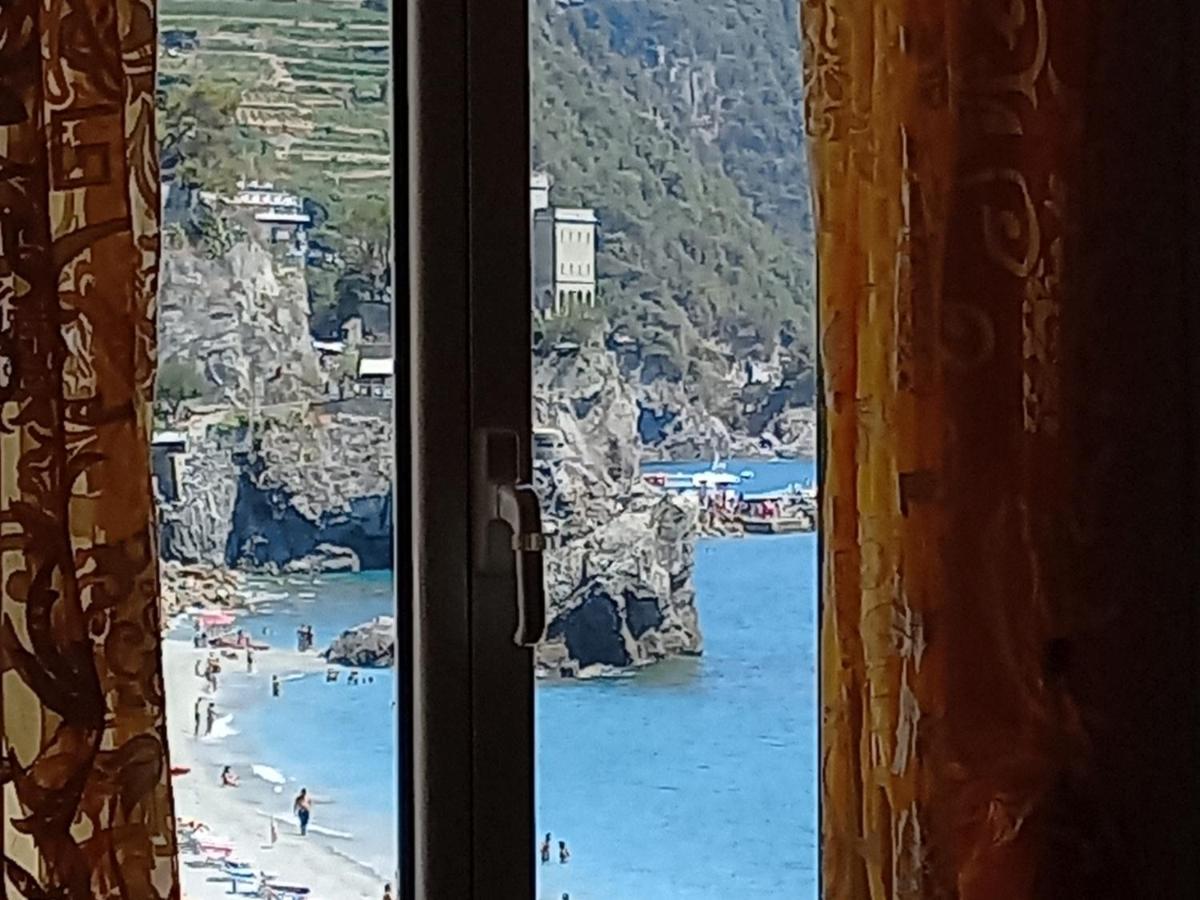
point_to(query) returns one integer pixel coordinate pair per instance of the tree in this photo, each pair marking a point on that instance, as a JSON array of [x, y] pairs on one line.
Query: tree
[[178, 380], [199, 139]]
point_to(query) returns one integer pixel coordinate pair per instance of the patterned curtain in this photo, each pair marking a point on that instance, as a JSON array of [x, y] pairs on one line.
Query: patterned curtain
[[85, 806], [1008, 611]]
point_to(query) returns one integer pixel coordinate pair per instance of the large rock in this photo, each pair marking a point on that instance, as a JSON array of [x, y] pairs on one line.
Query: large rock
[[325, 558], [366, 646], [621, 593], [619, 566]]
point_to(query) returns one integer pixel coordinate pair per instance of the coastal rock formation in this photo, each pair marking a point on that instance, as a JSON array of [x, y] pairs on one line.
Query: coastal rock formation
[[198, 585], [325, 558], [194, 526], [619, 402], [366, 646], [622, 594], [240, 317], [315, 480], [619, 566], [315, 495]]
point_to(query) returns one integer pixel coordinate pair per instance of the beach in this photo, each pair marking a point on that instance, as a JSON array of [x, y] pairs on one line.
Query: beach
[[694, 779], [326, 860]]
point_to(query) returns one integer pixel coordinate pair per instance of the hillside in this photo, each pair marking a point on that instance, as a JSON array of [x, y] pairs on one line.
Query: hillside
[[679, 122], [682, 125], [309, 80]]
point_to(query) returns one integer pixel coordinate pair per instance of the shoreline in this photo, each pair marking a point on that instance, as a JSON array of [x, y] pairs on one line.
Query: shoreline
[[324, 860]]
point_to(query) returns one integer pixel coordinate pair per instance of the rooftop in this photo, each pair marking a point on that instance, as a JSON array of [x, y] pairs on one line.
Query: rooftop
[[169, 437], [375, 368]]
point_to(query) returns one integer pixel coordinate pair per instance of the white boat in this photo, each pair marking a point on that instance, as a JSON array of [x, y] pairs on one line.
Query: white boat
[[714, 479]]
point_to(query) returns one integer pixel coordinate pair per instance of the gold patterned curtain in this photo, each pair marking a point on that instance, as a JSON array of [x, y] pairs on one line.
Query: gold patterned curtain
[[85, 806], [1008, 632]]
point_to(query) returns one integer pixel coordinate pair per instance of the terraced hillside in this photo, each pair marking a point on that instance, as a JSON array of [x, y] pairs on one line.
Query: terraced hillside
[[312, 77]]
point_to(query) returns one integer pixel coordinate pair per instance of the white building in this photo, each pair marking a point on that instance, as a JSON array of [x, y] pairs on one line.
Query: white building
[[280, 214], [564, 252]]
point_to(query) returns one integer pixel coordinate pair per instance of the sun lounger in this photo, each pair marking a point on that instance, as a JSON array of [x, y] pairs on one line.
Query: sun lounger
[[239, 874], [274, 890]]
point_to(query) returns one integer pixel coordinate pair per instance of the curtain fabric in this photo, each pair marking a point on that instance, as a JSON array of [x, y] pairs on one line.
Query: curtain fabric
[[85, 806], [1006, 467]]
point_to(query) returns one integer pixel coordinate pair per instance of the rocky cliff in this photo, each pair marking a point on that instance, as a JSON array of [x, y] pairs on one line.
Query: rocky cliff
[[269, 479], [727, 403], [237, 313], [619, 566], [314, 493], [316, 480]]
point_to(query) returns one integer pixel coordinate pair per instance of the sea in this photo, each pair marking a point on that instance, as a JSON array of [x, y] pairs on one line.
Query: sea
[[693, 778]]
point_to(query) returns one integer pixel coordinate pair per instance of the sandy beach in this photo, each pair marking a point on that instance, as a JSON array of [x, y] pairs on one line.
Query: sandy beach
[[324, 860]]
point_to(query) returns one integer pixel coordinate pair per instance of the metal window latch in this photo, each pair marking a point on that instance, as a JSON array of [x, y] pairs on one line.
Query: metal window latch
[[508, 519]]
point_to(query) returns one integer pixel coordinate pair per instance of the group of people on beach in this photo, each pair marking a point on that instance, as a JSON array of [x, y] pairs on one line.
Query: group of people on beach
[[331, 677], [205, 714], [208, 718], [304, 638], [564, 854]]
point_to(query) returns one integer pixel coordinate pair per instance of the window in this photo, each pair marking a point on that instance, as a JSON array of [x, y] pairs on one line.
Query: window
[[676, 697], [669, 640], [274, 400]]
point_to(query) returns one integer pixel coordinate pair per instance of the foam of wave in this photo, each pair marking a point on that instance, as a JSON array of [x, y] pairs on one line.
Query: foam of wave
[[222, 729]]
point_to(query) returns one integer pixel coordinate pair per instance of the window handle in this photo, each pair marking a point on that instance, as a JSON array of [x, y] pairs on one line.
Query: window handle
[[520, 510], [500, 499]]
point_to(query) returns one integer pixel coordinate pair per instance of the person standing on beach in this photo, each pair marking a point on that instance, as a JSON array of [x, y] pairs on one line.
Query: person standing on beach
[[302, 807], [250, 660], [563, 853], [387, 892], [274, 685], [212, 717], [199, 703], [546, 849]]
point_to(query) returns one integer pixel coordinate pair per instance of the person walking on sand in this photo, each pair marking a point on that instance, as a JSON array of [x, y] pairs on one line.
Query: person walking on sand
[[199, 703], [563, 853], [302, 807], [250, 660], [546, 849], [212, 717], [274, 685]]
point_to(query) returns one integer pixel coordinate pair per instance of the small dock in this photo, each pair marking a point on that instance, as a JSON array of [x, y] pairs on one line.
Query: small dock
[[776, 525]]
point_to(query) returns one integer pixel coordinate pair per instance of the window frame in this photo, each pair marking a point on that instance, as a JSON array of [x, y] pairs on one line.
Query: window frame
[[472, 762]]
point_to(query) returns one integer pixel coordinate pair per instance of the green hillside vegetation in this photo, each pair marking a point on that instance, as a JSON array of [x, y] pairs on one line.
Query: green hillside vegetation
[[680, 122], [303, 72], [682, 126], [297, 94]]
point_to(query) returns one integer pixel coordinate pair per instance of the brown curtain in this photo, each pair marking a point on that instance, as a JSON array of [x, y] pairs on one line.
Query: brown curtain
[[85, 807], [1009, 620]]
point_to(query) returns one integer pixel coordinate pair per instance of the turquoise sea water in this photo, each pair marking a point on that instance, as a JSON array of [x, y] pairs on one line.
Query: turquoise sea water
[[694, 779]]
